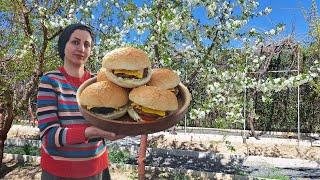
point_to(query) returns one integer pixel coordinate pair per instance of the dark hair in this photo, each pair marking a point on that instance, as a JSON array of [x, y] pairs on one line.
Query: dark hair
[[66, 33]]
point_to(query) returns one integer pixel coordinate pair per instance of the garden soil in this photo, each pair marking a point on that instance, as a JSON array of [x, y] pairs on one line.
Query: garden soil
[[267, 147]]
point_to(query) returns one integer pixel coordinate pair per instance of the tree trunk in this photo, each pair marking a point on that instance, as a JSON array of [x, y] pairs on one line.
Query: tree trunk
[[3, 137], [251, 120], [32, 116], [4, 121]]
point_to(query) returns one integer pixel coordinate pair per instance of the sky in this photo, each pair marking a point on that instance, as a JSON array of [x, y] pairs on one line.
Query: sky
[[289, 12]]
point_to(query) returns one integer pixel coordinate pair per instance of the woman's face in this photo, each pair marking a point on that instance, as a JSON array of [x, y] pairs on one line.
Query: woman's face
[[78, 48]]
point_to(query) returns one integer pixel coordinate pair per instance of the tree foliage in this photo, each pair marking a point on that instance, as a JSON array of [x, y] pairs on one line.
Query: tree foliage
[[201, 50]]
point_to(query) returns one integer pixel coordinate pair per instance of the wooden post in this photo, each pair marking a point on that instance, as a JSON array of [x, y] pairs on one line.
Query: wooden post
[[142, 157]]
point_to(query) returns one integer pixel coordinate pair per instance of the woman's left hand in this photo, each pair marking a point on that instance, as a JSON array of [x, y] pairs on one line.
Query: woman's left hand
[[92, 132]]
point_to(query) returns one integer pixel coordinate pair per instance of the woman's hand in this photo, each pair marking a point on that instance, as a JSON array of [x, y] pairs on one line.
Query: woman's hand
[[92, 132]]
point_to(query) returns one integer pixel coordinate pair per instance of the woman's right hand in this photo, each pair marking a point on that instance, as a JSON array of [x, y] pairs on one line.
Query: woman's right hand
[[92, 132]]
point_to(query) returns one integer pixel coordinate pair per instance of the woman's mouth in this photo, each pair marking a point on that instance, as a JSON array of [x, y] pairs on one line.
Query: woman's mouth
[[79, 56]]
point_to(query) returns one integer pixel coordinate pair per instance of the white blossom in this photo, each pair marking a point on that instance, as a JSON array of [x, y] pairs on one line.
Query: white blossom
[[236, 23], [255, 60], [201, 115], [263, 57], [252, 30], [280, 28], [267, 10], [272, 32]]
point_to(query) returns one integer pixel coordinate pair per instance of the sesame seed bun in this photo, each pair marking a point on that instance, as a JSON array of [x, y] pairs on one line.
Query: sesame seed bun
[[154, 98], [104, 94], [101, 75], [164, 78], [128, 58]]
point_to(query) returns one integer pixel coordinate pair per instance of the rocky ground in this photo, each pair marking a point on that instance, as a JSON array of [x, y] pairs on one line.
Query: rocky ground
[[14, 171], [283, 149], [268, 147]]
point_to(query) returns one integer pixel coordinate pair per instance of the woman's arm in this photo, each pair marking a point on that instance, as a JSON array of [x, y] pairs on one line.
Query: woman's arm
[[47, 106], [51, 131]]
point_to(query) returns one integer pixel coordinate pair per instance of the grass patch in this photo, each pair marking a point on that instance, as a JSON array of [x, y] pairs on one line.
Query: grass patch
[[24, 150], [118, 156], [275, 173]]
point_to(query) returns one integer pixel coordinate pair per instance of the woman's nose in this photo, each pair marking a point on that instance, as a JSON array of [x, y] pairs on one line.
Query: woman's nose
[[80, 47]]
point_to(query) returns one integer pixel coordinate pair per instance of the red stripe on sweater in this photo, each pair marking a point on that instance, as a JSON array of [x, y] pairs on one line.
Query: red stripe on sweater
[[76, 125], [74, 169], [59, 80], [46, 97], [76, 135], [46, 120], [68, 102], [81, 148]]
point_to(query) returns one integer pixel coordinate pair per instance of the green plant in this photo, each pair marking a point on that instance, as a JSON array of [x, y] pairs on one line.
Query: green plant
[[133, 174], [27, 149], [230, 146], [118, 156], [180, 176], [275, 173], [279, 177], [239, 171], [173, 175]]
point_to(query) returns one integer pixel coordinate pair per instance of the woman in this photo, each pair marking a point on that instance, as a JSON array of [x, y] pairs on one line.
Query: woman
[[71, 148]]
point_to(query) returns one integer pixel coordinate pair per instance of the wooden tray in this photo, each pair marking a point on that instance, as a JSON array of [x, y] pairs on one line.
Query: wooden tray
[[126, 126]]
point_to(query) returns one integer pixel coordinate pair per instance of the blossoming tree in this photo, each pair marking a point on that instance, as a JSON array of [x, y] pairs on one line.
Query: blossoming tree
[[199, 49]]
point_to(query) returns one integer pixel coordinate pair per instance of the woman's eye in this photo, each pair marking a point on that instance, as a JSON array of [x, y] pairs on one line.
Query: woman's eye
[[75, 42], [87, 45]]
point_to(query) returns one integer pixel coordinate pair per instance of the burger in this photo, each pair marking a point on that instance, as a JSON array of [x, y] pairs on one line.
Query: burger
[[101, 75], [150, 103], [105, 99], [127, 67], [165, 79]]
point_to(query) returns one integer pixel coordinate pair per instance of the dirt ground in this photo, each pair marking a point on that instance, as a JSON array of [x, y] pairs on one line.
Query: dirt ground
[[12, 170], [27, 171], [271, 147], [265, 147]]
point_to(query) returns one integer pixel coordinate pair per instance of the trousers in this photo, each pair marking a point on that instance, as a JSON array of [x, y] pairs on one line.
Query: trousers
[[104, 175]]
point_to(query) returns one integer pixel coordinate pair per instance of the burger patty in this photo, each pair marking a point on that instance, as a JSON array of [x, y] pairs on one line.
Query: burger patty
[[123, 75], [102, 110], [176, 91], [146, 116]]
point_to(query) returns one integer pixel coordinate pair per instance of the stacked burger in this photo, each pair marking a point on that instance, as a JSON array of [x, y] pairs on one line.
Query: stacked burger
[[126, 83]]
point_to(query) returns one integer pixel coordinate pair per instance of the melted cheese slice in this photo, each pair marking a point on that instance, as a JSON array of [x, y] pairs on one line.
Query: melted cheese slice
[[149, 110], [90, 107], [153, 111], [136, 73], [172, 90]]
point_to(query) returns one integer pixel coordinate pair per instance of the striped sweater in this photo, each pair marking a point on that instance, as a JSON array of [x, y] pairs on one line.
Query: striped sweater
[[65, 151]]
